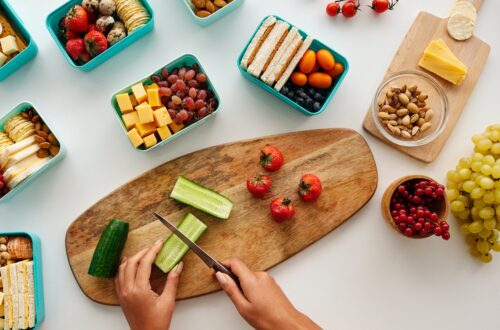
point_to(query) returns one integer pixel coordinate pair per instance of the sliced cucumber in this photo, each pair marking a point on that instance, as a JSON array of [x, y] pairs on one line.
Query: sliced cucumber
[[201, 198], [109, 249], [174, 249]]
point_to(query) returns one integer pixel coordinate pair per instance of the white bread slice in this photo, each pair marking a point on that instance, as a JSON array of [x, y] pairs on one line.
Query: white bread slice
[[20, 295], [274, 72], [8, 296], [15, 148], [19, 167], [288, 72], [31, 294], [257, 40], [14, 159], [283, 47], [268, 48], [15, 306], [27, 172]]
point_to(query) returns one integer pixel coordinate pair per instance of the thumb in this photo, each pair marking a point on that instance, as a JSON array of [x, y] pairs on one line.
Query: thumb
[[170, 289], [232, 291]]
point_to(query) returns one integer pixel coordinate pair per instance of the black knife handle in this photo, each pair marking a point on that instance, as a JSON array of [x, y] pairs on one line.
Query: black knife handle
[[219, 267]]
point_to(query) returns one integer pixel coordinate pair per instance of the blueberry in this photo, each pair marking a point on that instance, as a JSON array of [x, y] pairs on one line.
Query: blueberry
[[300, 101], [291, 94], [303, 95], [311, 91], [285, 90], [300, 90], [309, 103], [316, 106]]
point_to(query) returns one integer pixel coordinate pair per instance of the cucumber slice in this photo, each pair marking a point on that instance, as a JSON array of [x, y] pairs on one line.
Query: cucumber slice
[[201, 198], [109, 249], [174, 249]]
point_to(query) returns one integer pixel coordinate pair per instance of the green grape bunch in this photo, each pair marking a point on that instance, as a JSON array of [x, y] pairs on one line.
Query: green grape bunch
[[473, 189]]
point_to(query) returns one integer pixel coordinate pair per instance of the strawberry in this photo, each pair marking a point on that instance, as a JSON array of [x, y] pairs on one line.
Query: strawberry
[[309, 188], [282, 209], [259, 185], [77, 19], [95, 43], [84, 56], [75, 47], [64, 33], [271, 158], [92, 27]]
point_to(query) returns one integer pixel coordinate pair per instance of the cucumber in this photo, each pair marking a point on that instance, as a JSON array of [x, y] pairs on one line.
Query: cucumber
[[201, 198], [174, 249], [109, 249]]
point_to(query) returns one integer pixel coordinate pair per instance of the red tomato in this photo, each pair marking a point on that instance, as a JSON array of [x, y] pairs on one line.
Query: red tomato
[[380, 6], [349, 9], [332, 9], [282, 209]]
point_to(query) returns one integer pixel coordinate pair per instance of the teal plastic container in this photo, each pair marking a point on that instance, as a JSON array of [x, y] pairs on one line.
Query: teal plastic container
[[316, 45], [204, 21], [52, 24], [37, 274], [24, 56], [62, 152], [187, 60]]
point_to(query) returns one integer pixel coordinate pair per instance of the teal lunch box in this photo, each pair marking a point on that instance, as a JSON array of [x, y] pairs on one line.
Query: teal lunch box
[[316, 45], [24, 56], [204, 21], [186, 60], [37, 274], [62, 151], [52, 23]]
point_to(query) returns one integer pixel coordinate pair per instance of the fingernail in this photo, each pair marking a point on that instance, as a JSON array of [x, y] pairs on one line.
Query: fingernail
[[221, 278], [178, 268]]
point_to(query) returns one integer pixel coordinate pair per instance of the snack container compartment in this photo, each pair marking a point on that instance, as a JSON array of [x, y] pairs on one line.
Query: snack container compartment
[[187, 60], [62, 151], [52, 24], [316, 45], [205, 21], [25, 55], [37, 274]]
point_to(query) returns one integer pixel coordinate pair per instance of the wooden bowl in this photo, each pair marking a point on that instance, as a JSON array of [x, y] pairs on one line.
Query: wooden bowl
[[442, 210]]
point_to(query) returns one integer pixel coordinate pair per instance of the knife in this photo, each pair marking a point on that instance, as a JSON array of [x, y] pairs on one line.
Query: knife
[[211, 262]]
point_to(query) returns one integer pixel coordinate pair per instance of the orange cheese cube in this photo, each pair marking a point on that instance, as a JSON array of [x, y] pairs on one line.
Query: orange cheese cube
[[174, 127], [150, 141], [145, 129], [145, 113], [133, 100], [130, 119], [154, 97], [124, 103], [139, 93], [162, 118], [135, 138], [164, 132]]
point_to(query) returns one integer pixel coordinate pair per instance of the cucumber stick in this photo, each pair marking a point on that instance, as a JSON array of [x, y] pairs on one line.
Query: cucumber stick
[[174, 249], [201, 198], [109, 249]]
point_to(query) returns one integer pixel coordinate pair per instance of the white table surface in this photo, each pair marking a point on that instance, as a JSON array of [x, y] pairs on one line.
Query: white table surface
[[362, 275]]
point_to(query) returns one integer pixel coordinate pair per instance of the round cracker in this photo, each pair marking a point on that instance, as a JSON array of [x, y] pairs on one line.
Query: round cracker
[[26, 135], [465, 8], [461, 27], [21, 129]]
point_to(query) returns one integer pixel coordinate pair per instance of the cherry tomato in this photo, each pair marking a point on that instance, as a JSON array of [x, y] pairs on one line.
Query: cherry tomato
[[380, 6], [332, 9], [349, 9]]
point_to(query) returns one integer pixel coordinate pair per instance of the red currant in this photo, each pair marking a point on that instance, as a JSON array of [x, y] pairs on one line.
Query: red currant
[[446, 236]]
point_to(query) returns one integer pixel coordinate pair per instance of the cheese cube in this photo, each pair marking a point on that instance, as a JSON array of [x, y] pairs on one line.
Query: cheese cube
[[1, 298], [139, 93], [162, 118], [154, 97], [2, 312], [133, 100], [153, 85], [150, 141], [3, 59], [145, 113], [130, 119], [174, 127], [135, 138], [145, 129], [124, 103], [9, 45], [164, 132]]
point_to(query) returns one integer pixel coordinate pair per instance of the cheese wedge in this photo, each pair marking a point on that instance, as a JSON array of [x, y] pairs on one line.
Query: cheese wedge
[[15, 148], [266, 52], [441, 49], [291, 66], [438, 61], [257, 41], [27, 172], [282, 58]]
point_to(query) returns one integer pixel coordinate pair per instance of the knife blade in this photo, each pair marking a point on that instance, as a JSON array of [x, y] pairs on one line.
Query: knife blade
[[207, 259]]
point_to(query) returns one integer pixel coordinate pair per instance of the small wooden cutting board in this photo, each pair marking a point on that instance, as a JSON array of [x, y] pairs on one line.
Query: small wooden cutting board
[[340, 157], [473, 53]]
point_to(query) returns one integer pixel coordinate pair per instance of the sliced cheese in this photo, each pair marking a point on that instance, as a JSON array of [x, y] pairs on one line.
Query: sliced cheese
[[20, 167], [441, 49], [15, 148], [3, 59], [27, 172], [257, 41], [19, 156], [438, 61]]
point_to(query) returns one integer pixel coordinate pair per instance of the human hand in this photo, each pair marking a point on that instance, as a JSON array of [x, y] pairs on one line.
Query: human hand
[[144, 308], [262, 303]]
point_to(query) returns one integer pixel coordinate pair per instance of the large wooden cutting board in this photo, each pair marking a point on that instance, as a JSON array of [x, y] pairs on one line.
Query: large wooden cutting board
[[340, 157], [473, 53]]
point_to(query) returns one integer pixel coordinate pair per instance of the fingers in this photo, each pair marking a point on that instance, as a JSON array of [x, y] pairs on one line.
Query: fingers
[[144, 269], [170, 289], [239, 268], [233, 292], [131, 268]]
